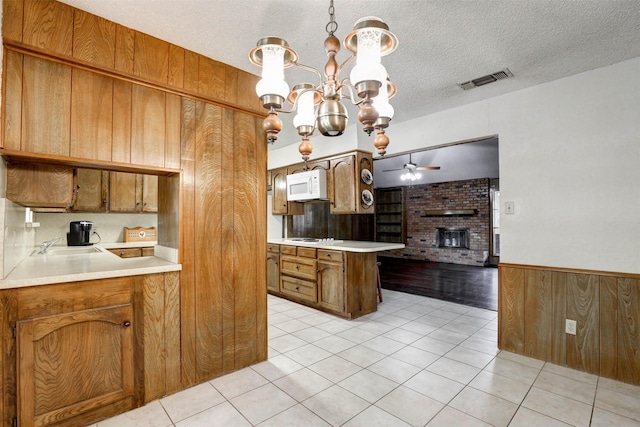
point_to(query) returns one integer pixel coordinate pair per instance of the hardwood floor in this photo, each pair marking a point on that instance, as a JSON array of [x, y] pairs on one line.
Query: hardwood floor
[[463, 284]]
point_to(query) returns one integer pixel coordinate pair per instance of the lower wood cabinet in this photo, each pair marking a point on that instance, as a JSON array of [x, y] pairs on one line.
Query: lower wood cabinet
[[331, 280], [132, 252], [273, 268], [76, 353], [339, 282], [74, 362]]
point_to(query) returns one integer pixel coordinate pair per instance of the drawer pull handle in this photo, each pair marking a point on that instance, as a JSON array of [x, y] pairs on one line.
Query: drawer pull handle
[[126, 324], [297, 267], [328, 255], [297, 288]]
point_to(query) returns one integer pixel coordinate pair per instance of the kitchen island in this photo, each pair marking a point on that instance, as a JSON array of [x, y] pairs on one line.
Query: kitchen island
[[339, 276]]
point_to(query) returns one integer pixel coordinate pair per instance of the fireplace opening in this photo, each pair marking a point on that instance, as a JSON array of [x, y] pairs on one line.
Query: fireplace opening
[[452, 238]]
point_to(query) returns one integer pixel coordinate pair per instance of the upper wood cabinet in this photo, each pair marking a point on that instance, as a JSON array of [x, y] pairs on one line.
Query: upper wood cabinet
[[130, 192], [91, 115], [46, 107], [345, 184], [41, 186], [343, 192], [280, 205], [92, 191]]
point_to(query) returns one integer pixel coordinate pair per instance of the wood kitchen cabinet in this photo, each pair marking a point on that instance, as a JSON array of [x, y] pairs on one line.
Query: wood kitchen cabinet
[[346, 184], [339, 282], [133, 192], [74, 351], [70, 362], [331, 280], [37, 105], [133, 252], [273, 267], [280, 205], [92, 191], [79, 352], [42, 186]]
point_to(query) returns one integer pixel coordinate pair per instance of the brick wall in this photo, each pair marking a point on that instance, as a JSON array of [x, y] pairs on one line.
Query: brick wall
[[421, 230]]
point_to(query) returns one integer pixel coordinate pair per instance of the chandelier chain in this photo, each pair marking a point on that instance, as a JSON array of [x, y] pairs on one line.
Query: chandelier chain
[[332, 25]]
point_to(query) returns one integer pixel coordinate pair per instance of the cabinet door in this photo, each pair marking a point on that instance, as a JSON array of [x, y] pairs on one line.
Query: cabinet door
[[93, 191], [147, 126], [273, 272], [91, 115], [280, 206], [279, 188], [331, 285], [74, 363], [46, 107], [125, 192], [149, 193], [342, 185], [41, 186]]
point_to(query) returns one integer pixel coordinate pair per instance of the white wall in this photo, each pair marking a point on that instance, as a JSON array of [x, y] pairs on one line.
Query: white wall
[[569, 159]]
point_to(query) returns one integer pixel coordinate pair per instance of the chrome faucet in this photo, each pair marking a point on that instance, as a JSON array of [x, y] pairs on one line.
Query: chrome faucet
[[45, 245]]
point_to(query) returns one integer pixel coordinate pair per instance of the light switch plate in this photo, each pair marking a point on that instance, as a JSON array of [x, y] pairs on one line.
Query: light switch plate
[[509, 208], [570, 327]]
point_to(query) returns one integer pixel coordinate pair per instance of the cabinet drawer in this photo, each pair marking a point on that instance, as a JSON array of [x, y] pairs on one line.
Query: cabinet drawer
[[306, 252], [304, 268], [148, 251], [287, 250], [273, 248], [302, 289], [127, 252], [327, 255]]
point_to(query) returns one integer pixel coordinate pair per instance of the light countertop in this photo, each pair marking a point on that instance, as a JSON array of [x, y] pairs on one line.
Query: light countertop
[[344, 245], [50, 269]]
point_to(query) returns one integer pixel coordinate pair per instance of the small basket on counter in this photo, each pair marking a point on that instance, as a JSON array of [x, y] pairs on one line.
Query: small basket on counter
[[140, 234]]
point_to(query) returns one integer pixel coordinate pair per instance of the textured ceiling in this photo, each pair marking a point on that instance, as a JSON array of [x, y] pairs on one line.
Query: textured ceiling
[[442, 42]]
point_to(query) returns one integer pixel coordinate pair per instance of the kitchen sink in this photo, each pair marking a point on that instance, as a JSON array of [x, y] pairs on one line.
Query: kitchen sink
[[69, 250]]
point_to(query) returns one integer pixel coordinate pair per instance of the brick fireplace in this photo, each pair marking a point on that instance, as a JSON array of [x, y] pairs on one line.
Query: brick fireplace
[[448, 222]]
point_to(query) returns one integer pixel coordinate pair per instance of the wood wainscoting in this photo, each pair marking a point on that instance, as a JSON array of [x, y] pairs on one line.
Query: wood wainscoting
[[533, 303]]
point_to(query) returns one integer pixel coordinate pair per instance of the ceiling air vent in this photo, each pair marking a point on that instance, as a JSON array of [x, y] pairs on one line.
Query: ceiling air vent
[[484, 80]]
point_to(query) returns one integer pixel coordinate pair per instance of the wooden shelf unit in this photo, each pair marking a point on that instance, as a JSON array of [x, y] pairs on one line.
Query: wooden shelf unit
[[390, 215]]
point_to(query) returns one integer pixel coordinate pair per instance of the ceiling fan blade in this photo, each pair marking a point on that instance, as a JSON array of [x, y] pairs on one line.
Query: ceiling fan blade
[[428, 168], [392, 170]]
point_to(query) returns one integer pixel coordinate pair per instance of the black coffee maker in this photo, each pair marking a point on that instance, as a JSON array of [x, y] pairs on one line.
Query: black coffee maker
[[79, 233]]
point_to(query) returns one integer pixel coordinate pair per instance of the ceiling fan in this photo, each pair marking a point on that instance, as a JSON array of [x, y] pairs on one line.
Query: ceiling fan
[[411, 168]]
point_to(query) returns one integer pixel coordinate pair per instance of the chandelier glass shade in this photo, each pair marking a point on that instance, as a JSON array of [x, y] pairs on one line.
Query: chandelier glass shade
[[321, 106]]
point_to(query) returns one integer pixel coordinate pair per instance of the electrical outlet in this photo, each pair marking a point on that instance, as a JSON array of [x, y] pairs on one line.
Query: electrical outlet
[[570, 327]]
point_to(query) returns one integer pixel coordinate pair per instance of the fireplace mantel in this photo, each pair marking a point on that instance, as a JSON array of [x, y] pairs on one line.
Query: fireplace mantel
[[450, 212]]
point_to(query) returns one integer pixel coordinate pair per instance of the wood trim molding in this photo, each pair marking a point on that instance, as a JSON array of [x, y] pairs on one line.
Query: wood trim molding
[[24, 156], [570, 270]]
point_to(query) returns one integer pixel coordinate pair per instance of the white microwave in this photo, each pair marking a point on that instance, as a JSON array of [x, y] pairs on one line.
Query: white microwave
[[308, 185]]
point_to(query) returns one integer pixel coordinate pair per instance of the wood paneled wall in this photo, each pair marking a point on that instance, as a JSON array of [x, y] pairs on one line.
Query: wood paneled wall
[[534, 303], [223, 239]]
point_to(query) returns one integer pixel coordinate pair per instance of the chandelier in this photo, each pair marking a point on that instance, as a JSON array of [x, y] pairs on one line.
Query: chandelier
[[320, 106]]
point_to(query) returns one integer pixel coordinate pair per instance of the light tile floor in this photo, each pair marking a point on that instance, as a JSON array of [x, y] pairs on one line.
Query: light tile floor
[[416, 361]]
